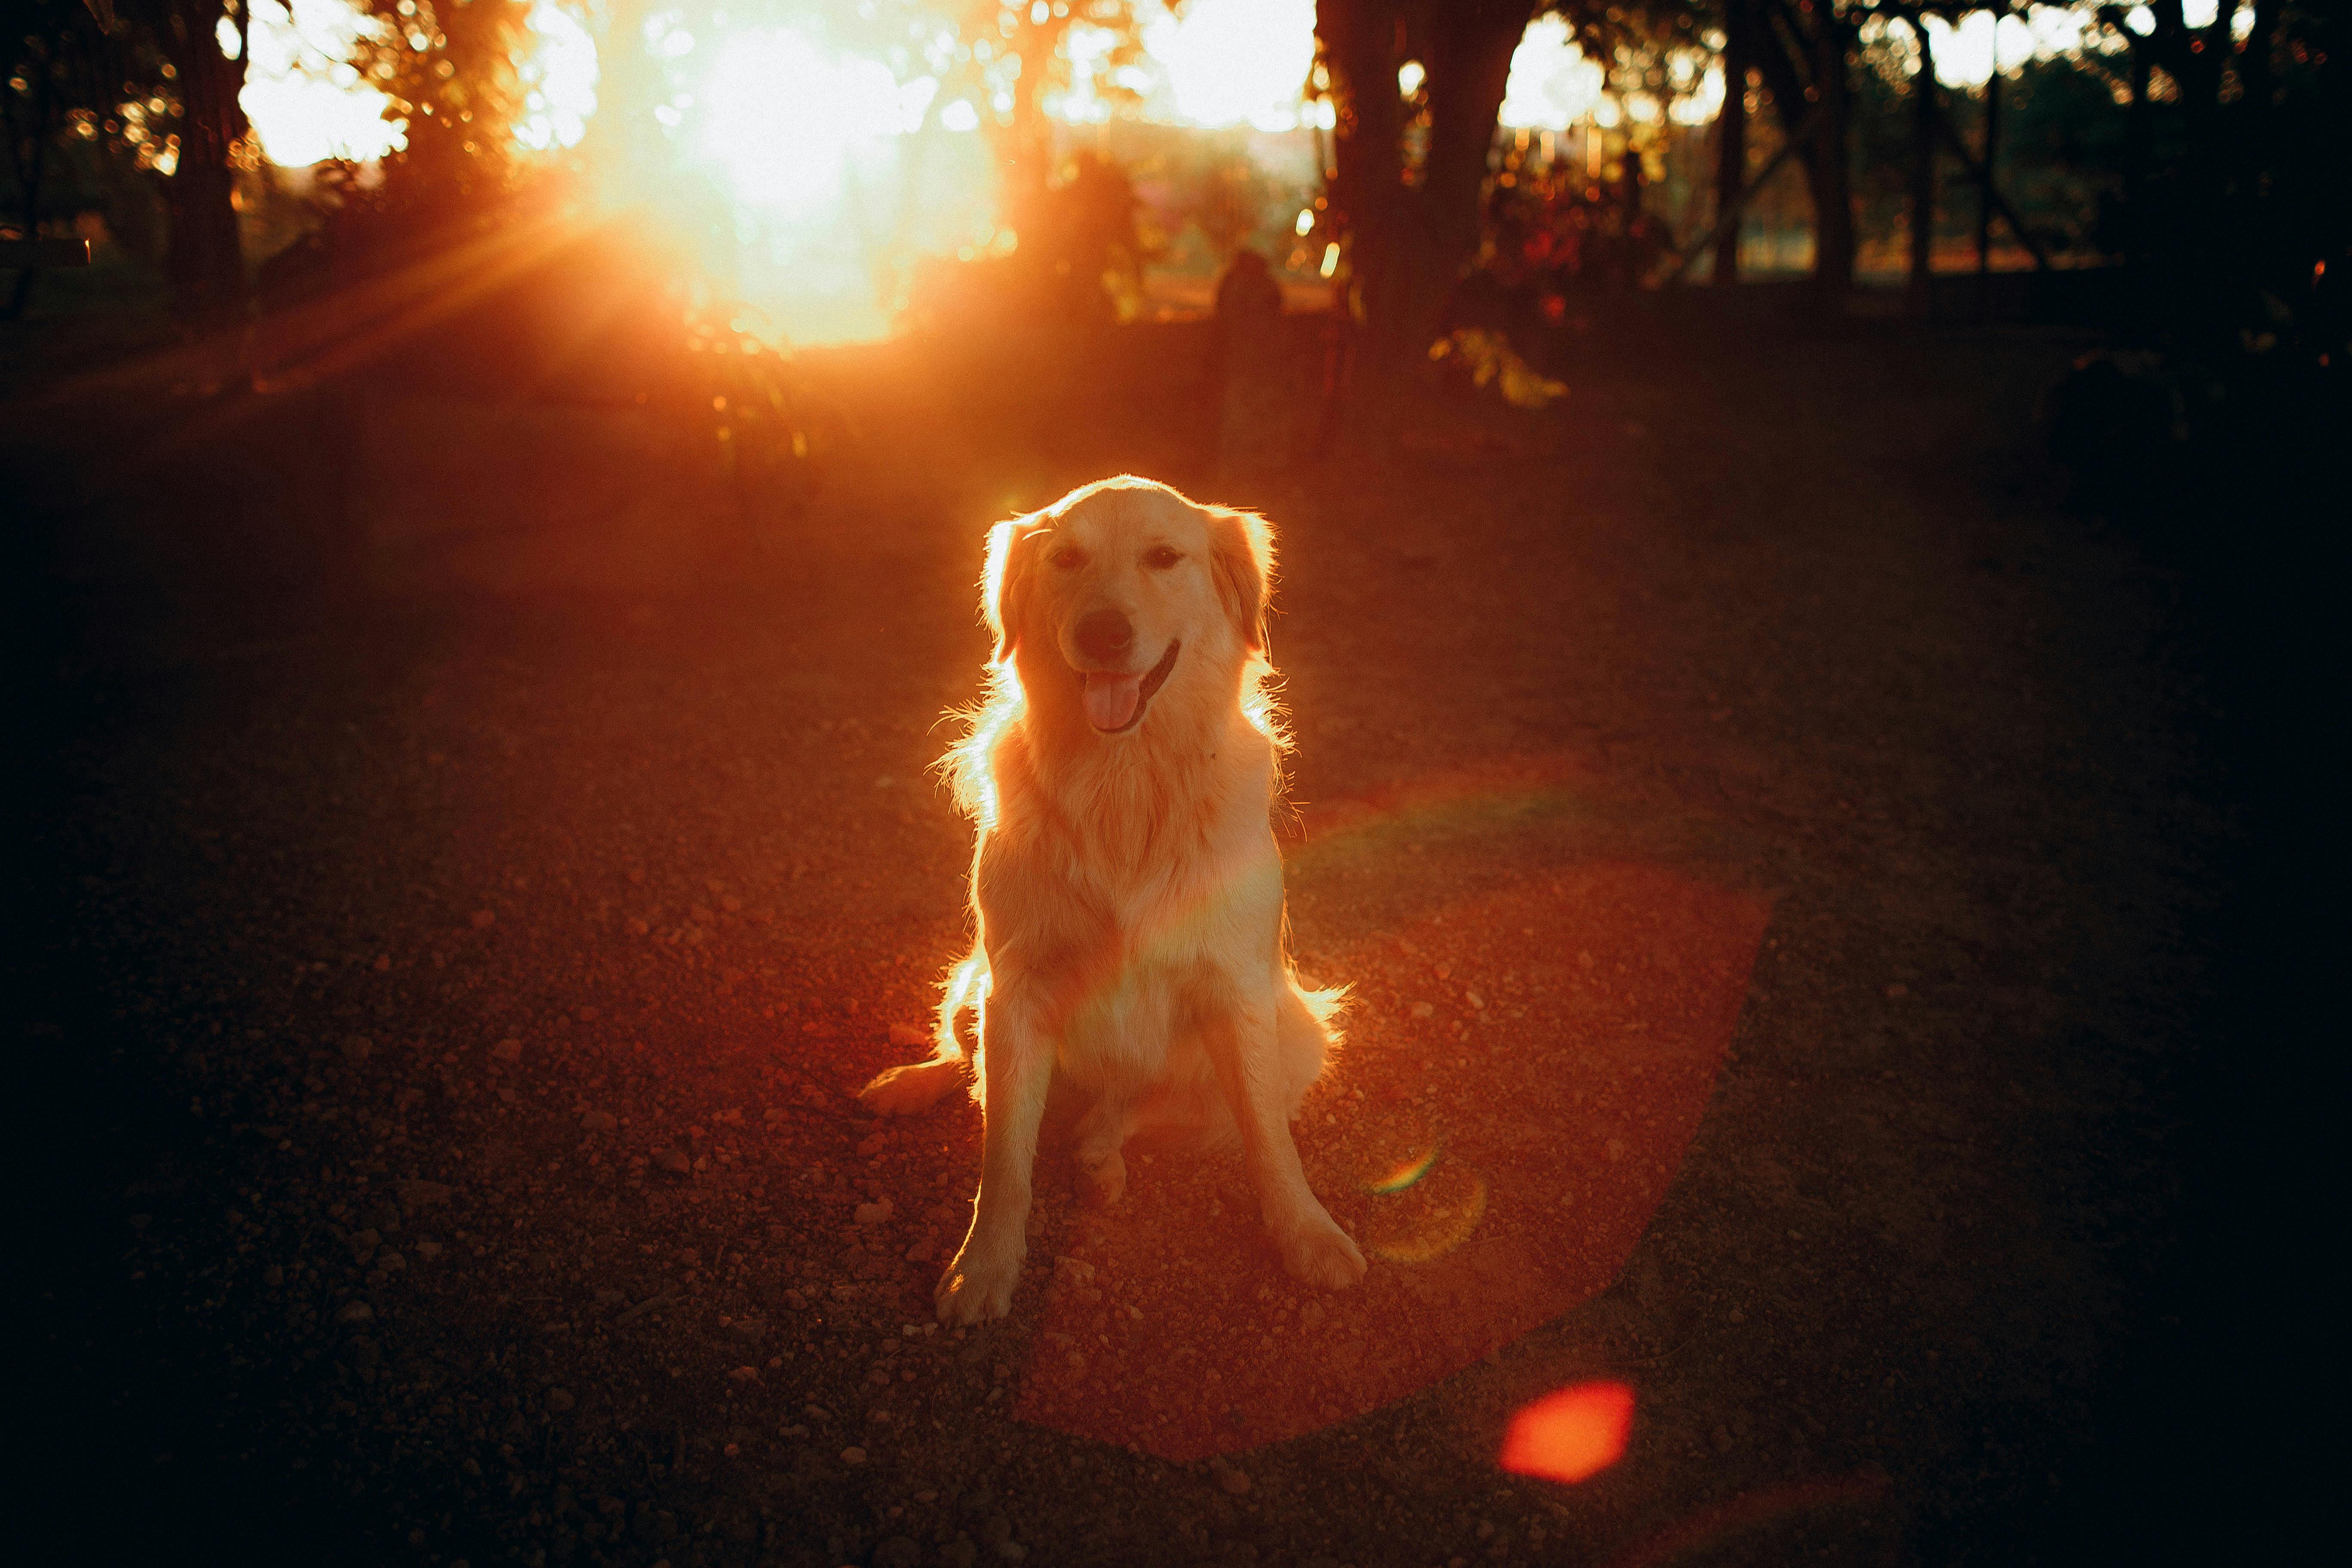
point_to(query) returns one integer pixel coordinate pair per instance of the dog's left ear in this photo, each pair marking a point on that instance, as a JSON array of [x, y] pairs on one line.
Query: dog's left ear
[[1240, 555]]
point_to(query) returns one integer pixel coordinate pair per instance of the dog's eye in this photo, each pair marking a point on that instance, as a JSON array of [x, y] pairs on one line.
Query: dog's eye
[[1068, 558], [1160, 558]]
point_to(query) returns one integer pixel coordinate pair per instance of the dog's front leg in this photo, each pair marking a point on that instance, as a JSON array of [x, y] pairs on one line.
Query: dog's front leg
[[1016, 1061], [1240, 1039]]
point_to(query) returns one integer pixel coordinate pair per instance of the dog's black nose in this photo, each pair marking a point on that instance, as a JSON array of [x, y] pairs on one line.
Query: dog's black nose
[[1105, 634]]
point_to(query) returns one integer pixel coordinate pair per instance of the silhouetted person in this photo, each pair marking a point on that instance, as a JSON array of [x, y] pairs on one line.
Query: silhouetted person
[[1253, 412], [1246, 291], [1087, 236]]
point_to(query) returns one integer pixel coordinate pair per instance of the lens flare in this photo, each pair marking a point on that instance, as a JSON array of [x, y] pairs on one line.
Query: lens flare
[[1403, 1173], [1436, 1215], [1559, 1227], [1570, 1435]]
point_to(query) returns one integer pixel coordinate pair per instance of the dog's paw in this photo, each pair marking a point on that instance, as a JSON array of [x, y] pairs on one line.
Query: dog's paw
[[910, 1089], [1320, 1253], [1104, 1182], [977, 1287]]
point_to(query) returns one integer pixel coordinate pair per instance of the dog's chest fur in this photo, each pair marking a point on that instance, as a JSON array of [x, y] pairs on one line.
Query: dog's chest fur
[[1156, 875]]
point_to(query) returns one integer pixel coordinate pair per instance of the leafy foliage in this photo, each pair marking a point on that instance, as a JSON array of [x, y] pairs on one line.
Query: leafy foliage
[[449, 68], [1490, 360]]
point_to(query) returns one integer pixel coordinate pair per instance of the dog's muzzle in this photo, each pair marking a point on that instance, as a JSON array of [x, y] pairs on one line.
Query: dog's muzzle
[[1115, 701]]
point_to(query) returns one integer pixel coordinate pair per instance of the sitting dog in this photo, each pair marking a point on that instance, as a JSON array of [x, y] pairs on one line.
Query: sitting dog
[[1126, 888]]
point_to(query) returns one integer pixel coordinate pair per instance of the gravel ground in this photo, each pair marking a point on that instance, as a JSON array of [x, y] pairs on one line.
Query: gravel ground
[[1778, 853]]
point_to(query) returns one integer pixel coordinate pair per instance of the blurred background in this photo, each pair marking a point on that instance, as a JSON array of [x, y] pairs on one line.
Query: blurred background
[[813, 157], [819, 172], [496, 257]]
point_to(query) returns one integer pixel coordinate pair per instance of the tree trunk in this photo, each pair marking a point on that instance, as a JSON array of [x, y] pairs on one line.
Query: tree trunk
[[1731, 139], [1630, 189], [1991, 150], [1024, 148], [1922, 172], [29, 150], [204, 260], [1367, 192], [1831, 188], [2139, 138], [1408, 245], [623, 138], [2195, 67], [1469, 66], [1782, 62], [2257, 76]]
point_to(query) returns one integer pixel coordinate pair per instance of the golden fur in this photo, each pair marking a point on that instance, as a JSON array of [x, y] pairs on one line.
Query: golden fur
[[1126, 885]]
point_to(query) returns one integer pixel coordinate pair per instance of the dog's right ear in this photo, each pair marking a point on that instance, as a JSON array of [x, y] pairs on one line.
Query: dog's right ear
[[1004, 584]]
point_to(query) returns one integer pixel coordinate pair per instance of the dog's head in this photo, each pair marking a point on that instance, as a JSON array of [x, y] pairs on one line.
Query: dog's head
[[1121, 589]]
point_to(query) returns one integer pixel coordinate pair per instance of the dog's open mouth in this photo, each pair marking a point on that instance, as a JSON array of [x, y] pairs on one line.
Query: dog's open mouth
[[1115, 701]]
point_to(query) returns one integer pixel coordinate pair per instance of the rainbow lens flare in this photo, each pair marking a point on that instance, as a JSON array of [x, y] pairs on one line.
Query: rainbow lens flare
[[1403, 1173], [1432, 1219]]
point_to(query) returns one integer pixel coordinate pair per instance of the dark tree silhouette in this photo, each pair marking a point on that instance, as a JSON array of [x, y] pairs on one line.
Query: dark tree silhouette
[[206, 263], [1411, 181], [60, 60], [89, 59], [1411, 221], [1802, 51]]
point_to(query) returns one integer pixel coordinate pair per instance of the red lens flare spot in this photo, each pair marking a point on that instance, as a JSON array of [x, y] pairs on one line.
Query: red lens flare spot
[[1572, 1435]]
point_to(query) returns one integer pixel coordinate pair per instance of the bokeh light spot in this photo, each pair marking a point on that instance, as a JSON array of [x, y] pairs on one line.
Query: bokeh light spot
[[1572, 1435]]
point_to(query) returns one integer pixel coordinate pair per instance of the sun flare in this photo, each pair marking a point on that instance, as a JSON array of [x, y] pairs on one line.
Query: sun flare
[[1236, 62], [789, 121], [782, 112]]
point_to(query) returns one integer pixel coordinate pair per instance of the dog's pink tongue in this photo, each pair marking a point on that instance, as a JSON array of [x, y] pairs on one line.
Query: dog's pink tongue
[[1111, 698]]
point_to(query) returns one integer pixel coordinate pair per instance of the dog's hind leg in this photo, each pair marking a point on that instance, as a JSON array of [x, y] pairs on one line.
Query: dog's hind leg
[[1185, 1112], [1102, 1134], [916, 1087]]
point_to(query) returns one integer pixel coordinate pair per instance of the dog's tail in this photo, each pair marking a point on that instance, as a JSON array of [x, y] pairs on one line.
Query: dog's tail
[[965, 991], [1325, 1006]]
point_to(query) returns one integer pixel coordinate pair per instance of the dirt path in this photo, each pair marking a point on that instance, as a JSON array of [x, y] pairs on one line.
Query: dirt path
[[1794, 828]]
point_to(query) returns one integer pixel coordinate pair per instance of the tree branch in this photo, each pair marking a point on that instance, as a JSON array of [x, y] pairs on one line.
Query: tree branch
[[1798, 139]]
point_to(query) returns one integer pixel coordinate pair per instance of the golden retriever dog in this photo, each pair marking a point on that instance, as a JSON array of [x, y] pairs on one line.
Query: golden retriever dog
[[1127, 889]]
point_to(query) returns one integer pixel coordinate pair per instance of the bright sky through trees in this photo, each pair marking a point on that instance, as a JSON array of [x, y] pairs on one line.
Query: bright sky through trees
[[1219, 62]]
